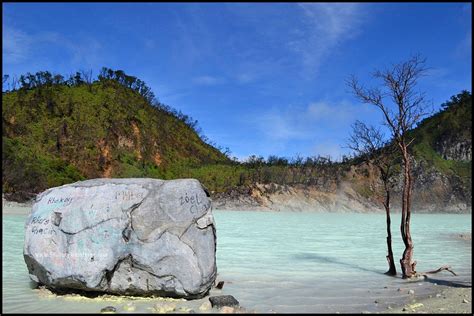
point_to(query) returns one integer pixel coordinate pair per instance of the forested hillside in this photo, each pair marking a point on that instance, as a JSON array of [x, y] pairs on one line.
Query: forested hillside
[[58, 130]]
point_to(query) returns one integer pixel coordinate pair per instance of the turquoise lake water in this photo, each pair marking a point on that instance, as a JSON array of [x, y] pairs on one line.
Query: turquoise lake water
[[290, 262]]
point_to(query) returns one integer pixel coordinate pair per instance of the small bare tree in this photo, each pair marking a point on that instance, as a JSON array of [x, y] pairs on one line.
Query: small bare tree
[[14, 83], [87, 75], [404, 109], [368, 143]]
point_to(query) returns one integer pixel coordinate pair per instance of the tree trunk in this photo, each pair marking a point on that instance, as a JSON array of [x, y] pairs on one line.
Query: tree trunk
[[407, 264], [391, 263]]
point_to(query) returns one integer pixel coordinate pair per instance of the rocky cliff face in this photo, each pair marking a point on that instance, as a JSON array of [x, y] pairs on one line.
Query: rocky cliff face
[[358, 190], [454, 149], [274, 197], [434, 191]]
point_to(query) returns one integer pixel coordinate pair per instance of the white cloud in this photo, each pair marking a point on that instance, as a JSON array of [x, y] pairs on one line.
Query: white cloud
[[167, 94], [317, 128], [327, 26], [301, 122], [464, 47], [19, 47], [257, 68], [245, 77], [321, 110], [149, 43], [16, 45], [278, 126], [208, 80], [86, 52], [288, 38], [326, 148], [193, 42]]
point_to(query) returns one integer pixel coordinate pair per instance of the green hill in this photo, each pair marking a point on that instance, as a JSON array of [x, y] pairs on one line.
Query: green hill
[[57, 131], [444, 140], [443, 152]]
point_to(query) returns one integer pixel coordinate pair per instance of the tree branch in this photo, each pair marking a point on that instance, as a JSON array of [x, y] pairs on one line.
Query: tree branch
[[442, 268]]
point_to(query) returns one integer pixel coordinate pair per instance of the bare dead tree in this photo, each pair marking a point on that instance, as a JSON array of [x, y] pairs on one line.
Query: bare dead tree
[[14, 83], [442, 268], [404, 109], [5, 83], [368, 143], [87, 75]]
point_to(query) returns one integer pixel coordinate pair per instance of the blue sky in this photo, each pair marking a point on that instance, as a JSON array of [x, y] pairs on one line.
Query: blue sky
[[261, 78]]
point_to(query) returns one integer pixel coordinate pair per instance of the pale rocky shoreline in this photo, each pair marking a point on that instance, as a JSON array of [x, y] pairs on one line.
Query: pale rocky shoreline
[[134, 304], [344, 199], [441, 299], [15, 208], [292, 200], [450, 300]]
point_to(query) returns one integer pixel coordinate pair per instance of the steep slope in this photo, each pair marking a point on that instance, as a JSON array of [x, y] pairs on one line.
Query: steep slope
[[59, 133], [443, 153]]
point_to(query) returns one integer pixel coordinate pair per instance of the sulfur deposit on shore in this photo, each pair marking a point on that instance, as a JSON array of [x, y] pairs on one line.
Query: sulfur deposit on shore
[[456, 300], [447, 300], [107, 303]]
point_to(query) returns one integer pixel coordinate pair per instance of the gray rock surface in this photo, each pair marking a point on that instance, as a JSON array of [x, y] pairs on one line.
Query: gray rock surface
[[123, 236], [223, 300]]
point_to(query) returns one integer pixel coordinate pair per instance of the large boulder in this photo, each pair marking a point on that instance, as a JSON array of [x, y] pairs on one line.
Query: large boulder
[[123, 236]]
